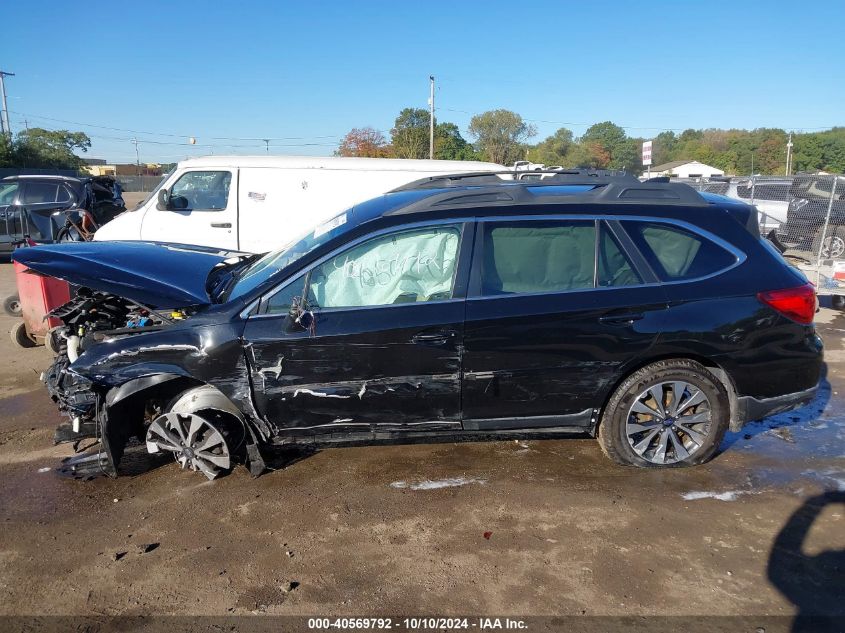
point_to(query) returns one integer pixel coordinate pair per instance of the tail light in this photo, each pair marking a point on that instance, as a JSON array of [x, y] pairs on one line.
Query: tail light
[[798, 304]]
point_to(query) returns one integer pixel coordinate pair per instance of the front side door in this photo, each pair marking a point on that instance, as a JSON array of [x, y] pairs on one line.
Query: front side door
[[555, 310], [384, 350], [10, 224], [203, 210]]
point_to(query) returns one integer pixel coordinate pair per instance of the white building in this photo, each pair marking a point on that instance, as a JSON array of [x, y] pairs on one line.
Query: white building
[[685, 169]]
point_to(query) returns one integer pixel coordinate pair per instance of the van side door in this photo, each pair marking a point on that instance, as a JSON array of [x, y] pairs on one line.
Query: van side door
[[203, 210]]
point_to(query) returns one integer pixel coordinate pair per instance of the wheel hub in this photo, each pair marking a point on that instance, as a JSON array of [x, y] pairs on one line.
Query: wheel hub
[[668, 422], [195, 442]]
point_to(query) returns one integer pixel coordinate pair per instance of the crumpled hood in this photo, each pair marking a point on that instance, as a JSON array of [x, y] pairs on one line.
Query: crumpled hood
[[154, 274]]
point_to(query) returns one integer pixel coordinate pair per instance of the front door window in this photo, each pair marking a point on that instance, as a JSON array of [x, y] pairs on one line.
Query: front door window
[[205, 190], [408, 267]]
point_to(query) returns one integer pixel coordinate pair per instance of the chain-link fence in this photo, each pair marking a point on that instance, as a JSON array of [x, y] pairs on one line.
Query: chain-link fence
[[139, 183], [804, 216]]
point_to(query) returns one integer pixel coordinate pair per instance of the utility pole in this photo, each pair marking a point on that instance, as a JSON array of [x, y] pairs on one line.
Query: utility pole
[[431, 121], [4, 122], [789, 155], [137, 158]]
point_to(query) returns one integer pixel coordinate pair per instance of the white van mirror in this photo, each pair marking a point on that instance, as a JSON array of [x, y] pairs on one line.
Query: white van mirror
[[163, 198]]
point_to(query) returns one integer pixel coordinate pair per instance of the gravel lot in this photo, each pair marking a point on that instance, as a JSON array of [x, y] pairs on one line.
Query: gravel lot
[[522, 528]]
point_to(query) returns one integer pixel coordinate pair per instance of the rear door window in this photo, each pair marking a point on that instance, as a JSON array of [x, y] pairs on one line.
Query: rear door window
[[677, 254], [537, 257], [40, 192]]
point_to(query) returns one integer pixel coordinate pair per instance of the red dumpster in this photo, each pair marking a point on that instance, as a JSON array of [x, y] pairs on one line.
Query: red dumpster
[[38, 296]]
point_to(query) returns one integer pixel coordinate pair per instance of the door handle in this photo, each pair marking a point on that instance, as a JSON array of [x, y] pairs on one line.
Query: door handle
[[221, 225], [432, 338], [621, 319]]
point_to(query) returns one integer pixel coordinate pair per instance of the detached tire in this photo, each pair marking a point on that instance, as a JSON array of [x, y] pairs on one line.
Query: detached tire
[[834, 243], [54, 340], [21, 337], [69, 234], [12, 305], [669, 414]]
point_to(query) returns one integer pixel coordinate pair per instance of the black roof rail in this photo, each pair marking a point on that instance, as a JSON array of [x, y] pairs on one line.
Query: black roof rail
[[535, 177], [528, 192]]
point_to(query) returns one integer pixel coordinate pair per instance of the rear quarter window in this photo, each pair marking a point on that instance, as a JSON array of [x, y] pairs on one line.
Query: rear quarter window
[[676, 254]]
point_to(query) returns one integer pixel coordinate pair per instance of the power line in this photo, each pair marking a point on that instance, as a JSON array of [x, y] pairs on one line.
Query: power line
[[171, 135]]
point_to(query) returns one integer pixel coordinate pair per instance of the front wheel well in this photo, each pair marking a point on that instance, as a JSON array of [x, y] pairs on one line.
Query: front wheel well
[[714, 368]]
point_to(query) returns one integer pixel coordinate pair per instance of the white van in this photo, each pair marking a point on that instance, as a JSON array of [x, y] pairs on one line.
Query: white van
[[260, 203]]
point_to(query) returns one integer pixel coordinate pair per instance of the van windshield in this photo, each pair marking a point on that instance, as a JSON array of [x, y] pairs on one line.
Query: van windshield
[[154, 192], [265, 267]]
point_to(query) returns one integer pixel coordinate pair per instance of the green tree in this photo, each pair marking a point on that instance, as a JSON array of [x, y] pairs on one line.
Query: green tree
[[410, 133], [611, 147], [554, 149], [581, 156], [450, 145], [607, 134], [663, 148], [37, 147], [7, 152], [500, 135], [628, 156]]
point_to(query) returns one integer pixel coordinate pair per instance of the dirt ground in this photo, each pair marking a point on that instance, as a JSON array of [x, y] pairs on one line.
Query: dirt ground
[[522, 528]]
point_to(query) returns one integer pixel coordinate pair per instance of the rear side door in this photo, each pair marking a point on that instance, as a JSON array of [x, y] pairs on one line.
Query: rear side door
[[203, 210], [40, 199], [384, 350], [557, 309]]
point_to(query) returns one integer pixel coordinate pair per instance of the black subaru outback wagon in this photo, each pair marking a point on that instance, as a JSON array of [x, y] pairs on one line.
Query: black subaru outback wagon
[[647, 314]]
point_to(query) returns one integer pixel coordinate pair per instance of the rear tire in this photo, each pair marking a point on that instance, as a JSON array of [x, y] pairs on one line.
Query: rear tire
[[838, 302], [21, 337], [636, 430], [12, 305]]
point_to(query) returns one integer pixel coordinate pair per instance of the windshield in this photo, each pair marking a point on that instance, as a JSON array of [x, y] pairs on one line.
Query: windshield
[[154, 192], [262, 269]]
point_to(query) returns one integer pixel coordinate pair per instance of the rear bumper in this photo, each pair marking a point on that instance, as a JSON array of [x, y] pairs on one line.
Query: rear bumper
[[751, 408]]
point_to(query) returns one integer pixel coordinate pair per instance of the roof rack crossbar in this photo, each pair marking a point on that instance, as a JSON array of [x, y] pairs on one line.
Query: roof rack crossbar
[[535, 177], [619, 192]]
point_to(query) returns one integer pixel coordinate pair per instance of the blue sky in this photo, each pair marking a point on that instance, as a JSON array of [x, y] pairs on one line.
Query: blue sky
[[305, 73]]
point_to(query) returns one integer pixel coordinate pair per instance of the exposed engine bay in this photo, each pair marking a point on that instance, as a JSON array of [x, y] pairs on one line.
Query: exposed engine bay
[[90, 318]]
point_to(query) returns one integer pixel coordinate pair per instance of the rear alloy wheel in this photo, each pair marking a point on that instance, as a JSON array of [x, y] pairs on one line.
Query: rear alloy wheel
[[197, 443], [671, 413]]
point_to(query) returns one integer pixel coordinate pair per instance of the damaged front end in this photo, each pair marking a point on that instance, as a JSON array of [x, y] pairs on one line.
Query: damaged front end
[[89, 319], [148, 354]]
